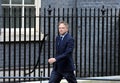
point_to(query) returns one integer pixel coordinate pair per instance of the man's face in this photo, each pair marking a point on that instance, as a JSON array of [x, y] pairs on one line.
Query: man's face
[[62, 29]]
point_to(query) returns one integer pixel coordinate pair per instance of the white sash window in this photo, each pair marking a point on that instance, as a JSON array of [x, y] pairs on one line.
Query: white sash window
[[17, 8]]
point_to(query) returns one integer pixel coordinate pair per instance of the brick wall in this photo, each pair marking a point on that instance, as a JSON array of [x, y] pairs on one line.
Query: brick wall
[[91, 4], [65, 4], [80, 3]]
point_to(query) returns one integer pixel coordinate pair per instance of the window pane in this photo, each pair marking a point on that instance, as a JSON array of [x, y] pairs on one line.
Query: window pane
[[6, 14], [29, 1], [14, 20], [30, 19], [16, 14], [16, 1], [5, 1]]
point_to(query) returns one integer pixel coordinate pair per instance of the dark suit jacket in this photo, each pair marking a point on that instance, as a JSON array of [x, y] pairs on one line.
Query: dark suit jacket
[[64, 59]]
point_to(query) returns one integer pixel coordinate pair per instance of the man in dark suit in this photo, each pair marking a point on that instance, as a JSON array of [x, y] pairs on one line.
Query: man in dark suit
[[63, 61]]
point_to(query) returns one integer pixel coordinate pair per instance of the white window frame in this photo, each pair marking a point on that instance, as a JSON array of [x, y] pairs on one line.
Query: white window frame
[[37, 5]]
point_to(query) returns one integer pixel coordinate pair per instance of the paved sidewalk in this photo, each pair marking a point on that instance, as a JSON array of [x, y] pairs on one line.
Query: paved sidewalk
[[104, 79], [79, 81]]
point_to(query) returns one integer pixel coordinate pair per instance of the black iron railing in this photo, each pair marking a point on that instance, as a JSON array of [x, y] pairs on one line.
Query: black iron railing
[[25, 49]]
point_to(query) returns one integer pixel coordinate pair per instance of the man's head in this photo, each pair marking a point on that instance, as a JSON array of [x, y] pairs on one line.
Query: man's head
[[63, 27]]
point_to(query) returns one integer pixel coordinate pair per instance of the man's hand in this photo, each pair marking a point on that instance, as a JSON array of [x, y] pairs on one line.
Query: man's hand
[[51, 60]]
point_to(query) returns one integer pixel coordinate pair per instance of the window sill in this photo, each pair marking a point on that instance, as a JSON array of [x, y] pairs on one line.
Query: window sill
[[11, 37]]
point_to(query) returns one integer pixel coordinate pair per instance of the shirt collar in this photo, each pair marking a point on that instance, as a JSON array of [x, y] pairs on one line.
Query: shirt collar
[[63, 35]]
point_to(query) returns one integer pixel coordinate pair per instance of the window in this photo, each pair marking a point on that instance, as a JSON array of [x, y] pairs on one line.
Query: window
[[21, 8]]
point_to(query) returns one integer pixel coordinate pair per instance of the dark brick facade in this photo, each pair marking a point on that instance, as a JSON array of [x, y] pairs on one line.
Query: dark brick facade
[[62, 4], [91, 4], [80, 3]]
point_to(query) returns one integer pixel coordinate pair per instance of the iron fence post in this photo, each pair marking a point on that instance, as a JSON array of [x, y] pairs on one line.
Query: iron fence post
[[103, 10], [41, 72], [119, 43], [49, 16], [102, 49]]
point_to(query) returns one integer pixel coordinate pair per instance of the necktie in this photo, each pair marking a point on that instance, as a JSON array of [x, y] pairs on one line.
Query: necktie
[[60, 41], [61, 38]]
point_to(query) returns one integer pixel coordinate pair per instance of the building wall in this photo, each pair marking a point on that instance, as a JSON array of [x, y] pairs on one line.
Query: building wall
[[0, 15], [57, 3], [80, 3], [64, 4], [92, 4]]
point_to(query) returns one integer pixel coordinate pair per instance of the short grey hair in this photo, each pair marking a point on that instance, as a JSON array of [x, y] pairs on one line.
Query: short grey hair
[[63, 22]]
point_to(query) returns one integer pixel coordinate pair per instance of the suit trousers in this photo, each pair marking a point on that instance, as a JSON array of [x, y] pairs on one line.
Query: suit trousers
[[56, 77]]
